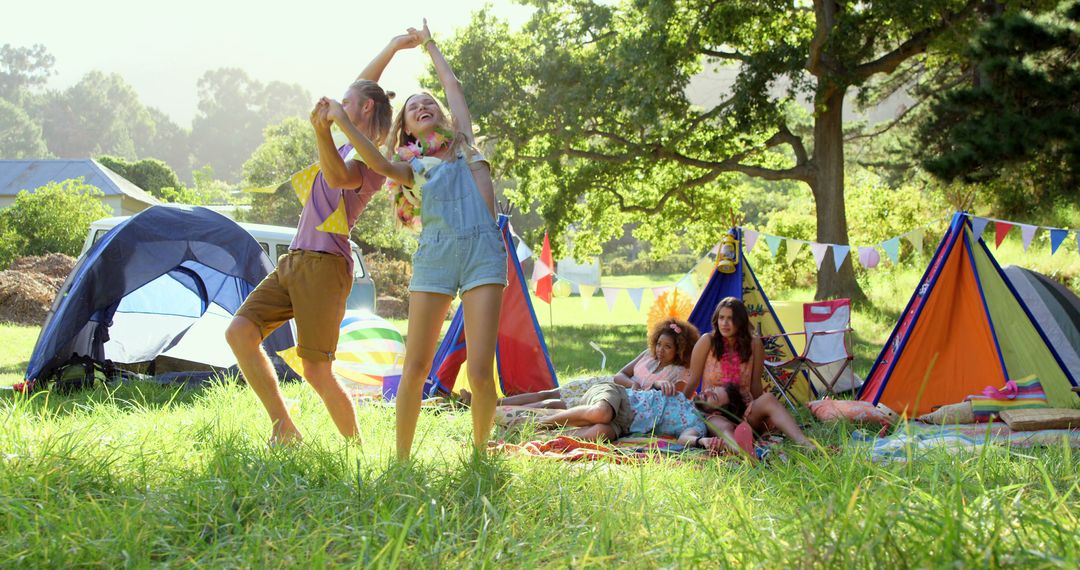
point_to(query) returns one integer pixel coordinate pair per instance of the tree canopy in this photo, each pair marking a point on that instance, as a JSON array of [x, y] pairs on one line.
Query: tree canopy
[[1019, 122], [590, 105]]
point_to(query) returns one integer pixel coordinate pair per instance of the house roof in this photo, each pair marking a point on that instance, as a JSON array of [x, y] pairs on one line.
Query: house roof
[[18, 175]]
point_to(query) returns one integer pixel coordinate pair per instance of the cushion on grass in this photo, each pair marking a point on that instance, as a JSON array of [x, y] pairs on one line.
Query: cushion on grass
[[1045, 418], [854, 410]]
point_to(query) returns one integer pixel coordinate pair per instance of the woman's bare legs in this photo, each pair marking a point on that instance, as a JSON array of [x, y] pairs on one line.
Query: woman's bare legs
[[427, 311], [481, 306], [737, 438], [582, 416], [530, 398], [766, 408]]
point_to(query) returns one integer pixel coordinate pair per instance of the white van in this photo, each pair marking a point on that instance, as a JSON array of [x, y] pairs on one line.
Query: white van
[[275, 242]]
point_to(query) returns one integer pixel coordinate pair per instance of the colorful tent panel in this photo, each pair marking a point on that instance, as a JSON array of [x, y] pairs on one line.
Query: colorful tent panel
[[1056, 309], [522, 361], [743, 284], [963, 330]]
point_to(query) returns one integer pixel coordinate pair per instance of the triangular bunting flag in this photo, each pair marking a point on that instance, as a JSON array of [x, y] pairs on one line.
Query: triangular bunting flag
[[1056, 237], [703, 271], [978, 225], [543, 269], [819, 250], [916, 238], [610, 295], [1027, 232], [302, 181], [657, 292], [793, 249], [840, 253], [1001, 229], [686, 284], [749, 239], [774, 244], [868, 257], [892, 249], [635, 296], [523, 251], [335, 223], [586, 294]]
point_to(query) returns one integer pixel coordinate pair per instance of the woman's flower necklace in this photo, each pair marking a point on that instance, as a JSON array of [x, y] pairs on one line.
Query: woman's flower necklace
[[407, 200]]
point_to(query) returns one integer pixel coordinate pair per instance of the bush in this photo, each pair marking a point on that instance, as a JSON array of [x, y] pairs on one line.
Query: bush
[[875, 213], [52, 219], [674, 263], [391, 276]]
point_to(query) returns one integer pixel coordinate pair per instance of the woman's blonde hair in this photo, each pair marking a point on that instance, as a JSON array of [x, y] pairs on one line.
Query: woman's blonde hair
[[399, 138], [379, 124]]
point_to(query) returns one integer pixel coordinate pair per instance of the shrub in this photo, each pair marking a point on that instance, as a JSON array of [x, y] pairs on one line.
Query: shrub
[[391, 276], [53, 219]]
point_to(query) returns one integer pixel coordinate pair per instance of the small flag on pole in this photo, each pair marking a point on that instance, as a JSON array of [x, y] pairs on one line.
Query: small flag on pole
[[543, 269]]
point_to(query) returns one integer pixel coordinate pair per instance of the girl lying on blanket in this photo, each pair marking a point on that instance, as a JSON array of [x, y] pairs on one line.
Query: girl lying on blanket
[[661, 366], [609, 411], [730, 357]]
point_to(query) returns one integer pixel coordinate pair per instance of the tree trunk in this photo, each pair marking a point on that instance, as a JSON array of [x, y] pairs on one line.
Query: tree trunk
[[828, 188]]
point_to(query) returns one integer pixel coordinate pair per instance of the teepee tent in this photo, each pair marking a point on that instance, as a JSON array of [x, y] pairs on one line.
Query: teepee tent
[[522, 362], [964, 329], [743, 284]]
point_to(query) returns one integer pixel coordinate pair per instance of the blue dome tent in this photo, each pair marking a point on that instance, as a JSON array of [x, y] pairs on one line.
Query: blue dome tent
[[161, 287]]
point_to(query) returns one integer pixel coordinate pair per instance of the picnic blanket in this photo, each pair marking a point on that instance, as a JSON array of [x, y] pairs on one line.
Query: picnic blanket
[[624, 450], [917, 438], [629, 449]]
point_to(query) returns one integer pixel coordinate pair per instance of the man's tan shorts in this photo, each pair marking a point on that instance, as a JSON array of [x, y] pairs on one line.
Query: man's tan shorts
[[310, 287]]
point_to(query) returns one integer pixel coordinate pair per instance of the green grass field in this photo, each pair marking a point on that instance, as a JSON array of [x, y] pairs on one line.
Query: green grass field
[[142, 475]]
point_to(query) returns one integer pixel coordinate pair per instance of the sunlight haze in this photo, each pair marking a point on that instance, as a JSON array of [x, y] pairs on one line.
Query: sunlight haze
[[162, 48]]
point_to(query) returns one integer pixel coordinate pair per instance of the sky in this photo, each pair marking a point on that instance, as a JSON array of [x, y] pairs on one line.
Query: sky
[[162, 48]]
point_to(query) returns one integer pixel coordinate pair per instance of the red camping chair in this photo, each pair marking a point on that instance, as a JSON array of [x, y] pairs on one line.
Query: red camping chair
[[826, 359]]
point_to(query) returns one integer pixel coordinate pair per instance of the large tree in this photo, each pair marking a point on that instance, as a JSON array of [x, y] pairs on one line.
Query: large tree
[[589, 102], [23, 69], [1017, 128], [20, 137], [101, 114], [234, 108]]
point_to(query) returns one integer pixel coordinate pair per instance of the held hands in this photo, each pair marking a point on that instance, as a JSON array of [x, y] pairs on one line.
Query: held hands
[[319, 118], [423, 35], [334, 111], [405, 41]]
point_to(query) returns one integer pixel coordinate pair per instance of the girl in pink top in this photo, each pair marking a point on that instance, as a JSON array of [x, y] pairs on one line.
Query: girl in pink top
[[729, 355], [662, 366]]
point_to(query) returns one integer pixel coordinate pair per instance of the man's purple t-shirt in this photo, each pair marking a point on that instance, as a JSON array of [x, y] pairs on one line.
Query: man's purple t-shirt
[[323, 201]]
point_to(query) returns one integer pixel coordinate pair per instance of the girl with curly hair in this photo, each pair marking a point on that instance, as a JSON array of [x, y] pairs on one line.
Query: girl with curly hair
[[661, 366]]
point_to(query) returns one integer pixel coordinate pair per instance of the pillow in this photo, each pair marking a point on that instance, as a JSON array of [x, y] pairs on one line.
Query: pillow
[[950, 414], [1024, 394], [1048, 418], [855, 410]]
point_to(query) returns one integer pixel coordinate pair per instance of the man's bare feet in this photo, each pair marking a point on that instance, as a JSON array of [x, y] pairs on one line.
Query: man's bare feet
[[285, 433]]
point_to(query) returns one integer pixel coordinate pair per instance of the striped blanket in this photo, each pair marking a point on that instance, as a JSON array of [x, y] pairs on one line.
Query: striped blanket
[[1023, 394], [631, 449], [916, 439]]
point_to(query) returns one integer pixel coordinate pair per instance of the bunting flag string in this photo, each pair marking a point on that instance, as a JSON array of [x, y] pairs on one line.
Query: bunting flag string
[[868, 255]]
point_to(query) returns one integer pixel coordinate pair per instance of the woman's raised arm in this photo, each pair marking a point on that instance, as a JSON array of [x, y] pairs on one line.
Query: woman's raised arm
[[378, 64], [455, 98]]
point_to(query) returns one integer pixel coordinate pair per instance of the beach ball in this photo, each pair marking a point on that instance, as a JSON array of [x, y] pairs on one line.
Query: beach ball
[[370, 353]]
